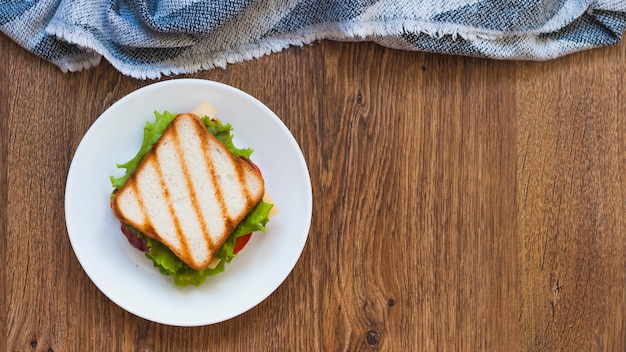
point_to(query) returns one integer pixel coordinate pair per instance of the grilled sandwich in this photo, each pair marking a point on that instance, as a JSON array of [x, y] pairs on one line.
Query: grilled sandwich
[[189, 192]]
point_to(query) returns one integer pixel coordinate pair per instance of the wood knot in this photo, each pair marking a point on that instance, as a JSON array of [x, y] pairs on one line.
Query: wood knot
[[391, 302], [372, 337], [359, 98], [33, 343]]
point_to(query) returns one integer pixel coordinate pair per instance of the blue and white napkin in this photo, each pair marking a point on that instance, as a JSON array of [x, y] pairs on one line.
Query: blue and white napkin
[[151, 38]]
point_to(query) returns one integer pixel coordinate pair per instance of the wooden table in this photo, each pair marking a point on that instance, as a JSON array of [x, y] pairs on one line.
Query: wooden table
[[459, 204]]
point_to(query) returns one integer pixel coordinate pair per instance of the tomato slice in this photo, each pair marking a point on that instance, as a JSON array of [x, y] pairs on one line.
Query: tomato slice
[[241, 242]]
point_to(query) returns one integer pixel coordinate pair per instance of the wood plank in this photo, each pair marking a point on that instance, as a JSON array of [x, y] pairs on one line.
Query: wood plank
[[571, 154], [4, 123]]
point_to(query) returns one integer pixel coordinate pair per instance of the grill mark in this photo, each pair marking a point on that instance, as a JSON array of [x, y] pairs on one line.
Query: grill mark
[[206, 146], [241, 177], [139, 197], [193, 192], [147, 227], [184, 247]]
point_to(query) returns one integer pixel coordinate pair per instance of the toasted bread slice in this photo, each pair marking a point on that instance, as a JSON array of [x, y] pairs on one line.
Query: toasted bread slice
[[189, 192]]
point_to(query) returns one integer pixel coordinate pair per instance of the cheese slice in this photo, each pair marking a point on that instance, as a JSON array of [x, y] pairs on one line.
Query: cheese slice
[[205, 109]]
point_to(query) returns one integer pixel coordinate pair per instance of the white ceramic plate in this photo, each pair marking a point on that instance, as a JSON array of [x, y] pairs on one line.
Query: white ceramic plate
[[124, 274]]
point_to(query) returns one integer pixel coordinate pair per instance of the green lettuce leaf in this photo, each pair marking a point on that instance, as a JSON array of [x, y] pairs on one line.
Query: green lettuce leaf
[[168, 264], [224, 134], [162, 257], [151, 134], [254, 221]]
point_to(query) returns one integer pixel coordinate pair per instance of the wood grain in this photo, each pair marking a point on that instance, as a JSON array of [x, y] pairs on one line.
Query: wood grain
[[4, 127], [571, 157], [459, 204]]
